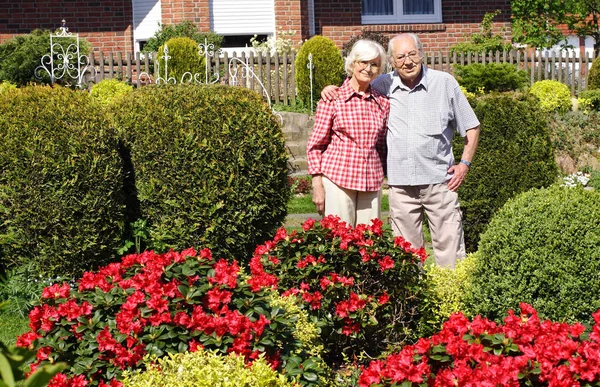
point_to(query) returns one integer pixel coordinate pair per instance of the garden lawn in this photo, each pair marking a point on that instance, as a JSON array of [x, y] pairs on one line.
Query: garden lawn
[[11, 326], [302, 204]]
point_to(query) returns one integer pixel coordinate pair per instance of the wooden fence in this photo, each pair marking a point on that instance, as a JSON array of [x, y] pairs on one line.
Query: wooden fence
[[276, 73]]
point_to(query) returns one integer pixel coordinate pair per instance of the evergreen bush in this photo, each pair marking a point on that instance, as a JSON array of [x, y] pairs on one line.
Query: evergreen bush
[[594, 75], [491, 77], [514, 155], [107, 91], [541, 248], [328, 68], [21, 55], [554, 96], [589, 100], [209, 164], [6, 86], [61, 201], [184, 60], [370, 35], [207, 369], [185, 29]]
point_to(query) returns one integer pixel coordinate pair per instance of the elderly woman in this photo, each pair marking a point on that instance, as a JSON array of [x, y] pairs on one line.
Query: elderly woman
[[346, 150]]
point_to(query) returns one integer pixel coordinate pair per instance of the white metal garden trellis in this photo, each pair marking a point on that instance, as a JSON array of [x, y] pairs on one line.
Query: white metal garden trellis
[[65, 60]]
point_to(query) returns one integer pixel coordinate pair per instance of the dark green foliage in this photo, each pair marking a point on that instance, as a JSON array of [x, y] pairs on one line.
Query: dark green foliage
[[184, 58], [541, 248], [61, 205], [328, 68], [514, 155], [491, 77], [210, 166], [21, 55], [185, 29], [371, 35], [485, 41], [594, 75], [590, 100]]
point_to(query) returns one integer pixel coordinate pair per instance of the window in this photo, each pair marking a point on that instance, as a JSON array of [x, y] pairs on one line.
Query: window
[[401, 11]]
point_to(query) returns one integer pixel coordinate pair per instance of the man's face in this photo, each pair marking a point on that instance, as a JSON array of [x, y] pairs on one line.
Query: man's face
[[407, 59]]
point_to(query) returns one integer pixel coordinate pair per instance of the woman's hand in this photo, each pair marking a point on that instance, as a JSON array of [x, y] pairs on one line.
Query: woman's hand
[[318, 193]]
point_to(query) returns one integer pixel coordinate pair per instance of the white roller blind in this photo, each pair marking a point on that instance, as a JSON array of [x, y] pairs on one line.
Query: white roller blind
[[146, 16], [242, 17]]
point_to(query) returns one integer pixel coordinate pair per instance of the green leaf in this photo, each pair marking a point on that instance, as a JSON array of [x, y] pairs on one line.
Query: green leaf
[[6, 371], [42, 375]]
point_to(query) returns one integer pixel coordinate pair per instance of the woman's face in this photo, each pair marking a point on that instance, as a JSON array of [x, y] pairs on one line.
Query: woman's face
[[367, 70]]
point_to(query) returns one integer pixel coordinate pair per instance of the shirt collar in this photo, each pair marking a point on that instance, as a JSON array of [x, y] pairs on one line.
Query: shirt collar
[[345, 92], [397, 82]]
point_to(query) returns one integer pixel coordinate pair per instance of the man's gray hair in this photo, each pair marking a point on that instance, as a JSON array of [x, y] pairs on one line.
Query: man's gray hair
[[414, 37], [362, 50]]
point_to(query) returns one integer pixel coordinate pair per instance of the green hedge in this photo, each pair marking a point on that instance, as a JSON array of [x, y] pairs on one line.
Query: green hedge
[[209, 166], [514, 155], [490, 77], [541, 248], [61, 202]]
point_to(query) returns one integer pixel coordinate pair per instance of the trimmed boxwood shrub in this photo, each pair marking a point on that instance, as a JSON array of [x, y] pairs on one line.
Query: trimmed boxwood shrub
[[594, 75], [107, 91], [554, 96], [61, 202], [328, 68], [210, 166], [184, 61], [491, 77], [541, 248], [514, 155]]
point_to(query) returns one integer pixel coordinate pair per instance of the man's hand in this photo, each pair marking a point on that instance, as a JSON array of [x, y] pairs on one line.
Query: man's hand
[[459, 173], [329, 93], [318, 193]]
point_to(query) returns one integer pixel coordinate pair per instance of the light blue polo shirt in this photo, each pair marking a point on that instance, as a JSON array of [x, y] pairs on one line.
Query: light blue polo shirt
[[421, 126]]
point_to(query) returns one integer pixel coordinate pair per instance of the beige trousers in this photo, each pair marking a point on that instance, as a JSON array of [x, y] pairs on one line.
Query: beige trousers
[[407, 205], [353, 207]]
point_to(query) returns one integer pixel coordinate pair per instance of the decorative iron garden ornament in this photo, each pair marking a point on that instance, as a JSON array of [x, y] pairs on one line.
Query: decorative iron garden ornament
[[64, 61]]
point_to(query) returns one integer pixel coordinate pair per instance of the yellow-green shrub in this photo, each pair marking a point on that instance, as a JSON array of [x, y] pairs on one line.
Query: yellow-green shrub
[[206, 369], [184, 61], [447, 289], [6, 85], [554, 96], [108, 91], [328, 67]]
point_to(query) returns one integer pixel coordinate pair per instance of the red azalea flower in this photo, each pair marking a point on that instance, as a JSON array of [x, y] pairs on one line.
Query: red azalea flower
[[206, 254], [26, 339], [56, 291], [385, 263], [383, 299], [59, 380], [308, 224], [225, 274]]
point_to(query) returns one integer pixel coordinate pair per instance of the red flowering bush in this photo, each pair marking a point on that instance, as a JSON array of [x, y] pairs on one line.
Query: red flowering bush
[[151, 304], [361, 285], [525, 351]]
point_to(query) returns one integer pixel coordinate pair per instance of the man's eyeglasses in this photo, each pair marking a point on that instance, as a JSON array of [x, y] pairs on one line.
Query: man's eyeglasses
[[366, 64], [414, 56]]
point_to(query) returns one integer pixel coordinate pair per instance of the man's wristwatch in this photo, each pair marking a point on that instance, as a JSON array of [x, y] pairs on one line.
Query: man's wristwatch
[[465, 162]]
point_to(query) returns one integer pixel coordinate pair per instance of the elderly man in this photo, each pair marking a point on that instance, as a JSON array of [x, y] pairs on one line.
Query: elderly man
[[426, 108]]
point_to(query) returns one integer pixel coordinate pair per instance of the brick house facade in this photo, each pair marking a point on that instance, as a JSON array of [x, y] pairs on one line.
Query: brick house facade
[[108, 26]]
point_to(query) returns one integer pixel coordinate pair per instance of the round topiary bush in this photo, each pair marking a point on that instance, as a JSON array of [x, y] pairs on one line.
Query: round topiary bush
[[328, 68], [554, 96], [541, 248], [514, 155], [209, 165], [61, 197], [594, 75], [184, 64], [107, 91]]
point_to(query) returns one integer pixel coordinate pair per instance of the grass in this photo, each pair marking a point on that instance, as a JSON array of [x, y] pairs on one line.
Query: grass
[[12, 326], [302, 204]]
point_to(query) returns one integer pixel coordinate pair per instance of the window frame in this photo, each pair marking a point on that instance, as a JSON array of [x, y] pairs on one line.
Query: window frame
[[397, 18]]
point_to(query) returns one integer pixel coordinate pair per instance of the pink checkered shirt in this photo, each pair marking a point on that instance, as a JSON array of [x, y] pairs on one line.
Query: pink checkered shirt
[[347, 143]]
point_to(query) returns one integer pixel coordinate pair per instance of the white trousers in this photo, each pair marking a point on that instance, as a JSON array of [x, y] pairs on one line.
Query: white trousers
[[353, 207]]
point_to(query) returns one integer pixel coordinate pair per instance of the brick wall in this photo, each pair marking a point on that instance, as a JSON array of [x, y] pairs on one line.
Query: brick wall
[[177, 11], [105, 24], [342, 19], [292, 15]]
